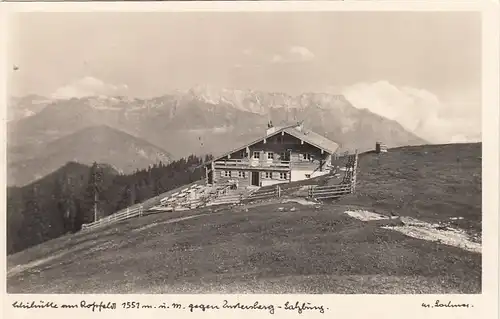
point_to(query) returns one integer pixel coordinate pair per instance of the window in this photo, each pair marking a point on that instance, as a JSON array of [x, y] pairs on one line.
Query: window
[[306, 156], [242, 174], [308, 175], [256, 155], [270, 155], [268, 174], [284, 156], [283, 176], [227, 173]]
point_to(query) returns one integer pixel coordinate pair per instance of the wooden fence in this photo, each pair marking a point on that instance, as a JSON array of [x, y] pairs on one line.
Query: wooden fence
[[263, 194], [133, 211], [330, 192], [348, 185], [117, 217]]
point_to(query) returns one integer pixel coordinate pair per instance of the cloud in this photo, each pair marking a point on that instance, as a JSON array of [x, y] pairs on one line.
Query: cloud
[[420, 111], [248, 52], [239, 66], [294, 54], [302, 52], [277, 59], [88, 86]]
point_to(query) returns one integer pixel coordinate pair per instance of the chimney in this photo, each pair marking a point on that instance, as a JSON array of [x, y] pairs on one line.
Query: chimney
[[270, 128], [380, 148], [300, 126]]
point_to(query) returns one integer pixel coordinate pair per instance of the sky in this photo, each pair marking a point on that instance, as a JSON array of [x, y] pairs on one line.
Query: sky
[[420, 68]]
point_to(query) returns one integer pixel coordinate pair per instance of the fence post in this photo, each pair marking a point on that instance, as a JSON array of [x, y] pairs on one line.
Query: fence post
[[354, 172], [140, 210]]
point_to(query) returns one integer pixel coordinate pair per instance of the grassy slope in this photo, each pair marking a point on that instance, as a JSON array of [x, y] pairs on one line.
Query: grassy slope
[[431, 183], [309, 250]]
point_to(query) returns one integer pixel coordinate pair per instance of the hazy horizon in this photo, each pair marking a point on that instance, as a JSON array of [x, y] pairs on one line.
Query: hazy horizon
[[422, 69]]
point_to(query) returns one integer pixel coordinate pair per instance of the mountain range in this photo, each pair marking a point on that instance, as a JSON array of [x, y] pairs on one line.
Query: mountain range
[[130, 133], [25, 106], [101, 143]]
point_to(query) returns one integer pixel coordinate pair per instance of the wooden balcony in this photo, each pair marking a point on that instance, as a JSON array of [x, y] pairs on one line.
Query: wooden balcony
[[309, 165], [252, 164]]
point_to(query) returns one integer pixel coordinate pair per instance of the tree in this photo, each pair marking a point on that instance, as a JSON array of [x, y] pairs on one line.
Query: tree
[[60, 202], [66, 200], [91, 196], [127, 198], [35, 224], [79, 214], [69, 205]]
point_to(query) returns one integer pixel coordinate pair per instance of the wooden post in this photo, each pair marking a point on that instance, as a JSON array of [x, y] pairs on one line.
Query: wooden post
[[355, 169], [212, 169], [95, 206]]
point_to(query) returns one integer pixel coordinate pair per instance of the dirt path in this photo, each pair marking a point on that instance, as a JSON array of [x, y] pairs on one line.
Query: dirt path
[[20, 268], [300, 201], [365, 215], [39, 262]]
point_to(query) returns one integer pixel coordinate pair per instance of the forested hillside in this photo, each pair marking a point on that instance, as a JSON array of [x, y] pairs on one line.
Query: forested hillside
[[62, 201]]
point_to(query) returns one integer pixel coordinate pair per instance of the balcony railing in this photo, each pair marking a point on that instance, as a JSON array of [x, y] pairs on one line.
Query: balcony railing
[[244, 163], [308, 164]]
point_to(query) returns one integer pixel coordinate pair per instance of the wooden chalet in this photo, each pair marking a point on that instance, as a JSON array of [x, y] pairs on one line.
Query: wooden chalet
[[284, 154]]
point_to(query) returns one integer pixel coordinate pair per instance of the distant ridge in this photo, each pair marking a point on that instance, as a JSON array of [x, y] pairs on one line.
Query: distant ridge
[[101, 143]]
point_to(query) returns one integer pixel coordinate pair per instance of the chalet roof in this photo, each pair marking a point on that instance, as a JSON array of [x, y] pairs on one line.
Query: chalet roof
[[314, 139], [307, 136]]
